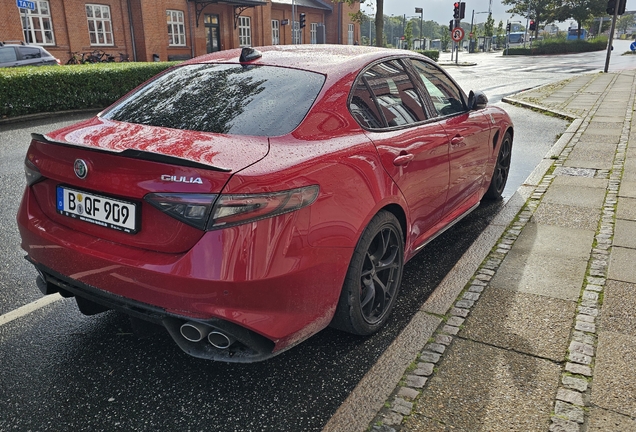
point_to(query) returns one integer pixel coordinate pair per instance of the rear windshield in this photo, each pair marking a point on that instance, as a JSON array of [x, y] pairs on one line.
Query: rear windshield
[[222, 98]]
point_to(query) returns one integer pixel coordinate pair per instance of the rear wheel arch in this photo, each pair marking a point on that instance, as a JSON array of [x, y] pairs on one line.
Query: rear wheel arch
[[374, 275], [400, 215]]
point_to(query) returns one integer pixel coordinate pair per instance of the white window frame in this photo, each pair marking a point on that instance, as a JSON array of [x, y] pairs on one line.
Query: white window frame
[[245, 31], [176, 28], [350, 31], [313, 33], [275, 32], [99, 19], [40, 25], [296, 33]]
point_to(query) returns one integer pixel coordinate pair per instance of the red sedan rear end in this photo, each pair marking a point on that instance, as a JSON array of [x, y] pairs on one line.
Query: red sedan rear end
[[231, 199]]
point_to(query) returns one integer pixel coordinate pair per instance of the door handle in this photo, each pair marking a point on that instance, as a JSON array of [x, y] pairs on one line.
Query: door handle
[[403, 159], [455, 141]]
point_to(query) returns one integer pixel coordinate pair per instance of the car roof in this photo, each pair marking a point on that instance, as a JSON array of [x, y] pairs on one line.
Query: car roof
[[324, 59], [19, 44]]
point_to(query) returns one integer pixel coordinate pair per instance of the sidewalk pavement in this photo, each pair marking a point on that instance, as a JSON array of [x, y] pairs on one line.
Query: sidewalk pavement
[[543, 337]]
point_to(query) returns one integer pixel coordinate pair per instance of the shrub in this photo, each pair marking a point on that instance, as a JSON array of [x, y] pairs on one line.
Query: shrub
[[432, 54], [29, 90], [556, 46]]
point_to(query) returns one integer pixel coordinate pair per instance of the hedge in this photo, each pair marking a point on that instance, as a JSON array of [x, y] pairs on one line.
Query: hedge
[[432, 54], [560, 47], [30, 90]]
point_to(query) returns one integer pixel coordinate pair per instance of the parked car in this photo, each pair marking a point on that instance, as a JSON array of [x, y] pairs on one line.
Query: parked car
[[247, 199], [12, 55]]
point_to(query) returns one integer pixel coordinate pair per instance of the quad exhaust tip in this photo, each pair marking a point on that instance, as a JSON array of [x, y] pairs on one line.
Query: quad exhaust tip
[[220, 340], [195, 332]]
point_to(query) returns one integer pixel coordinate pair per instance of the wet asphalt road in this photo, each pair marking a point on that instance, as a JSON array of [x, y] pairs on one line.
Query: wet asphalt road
[[64, 371]]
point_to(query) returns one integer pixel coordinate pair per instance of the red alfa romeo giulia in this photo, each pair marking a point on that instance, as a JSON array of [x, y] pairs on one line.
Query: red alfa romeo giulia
[[247, 199]]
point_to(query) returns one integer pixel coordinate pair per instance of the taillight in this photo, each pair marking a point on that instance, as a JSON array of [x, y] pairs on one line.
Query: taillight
[[232, 210], [31, 172], [193, 209], [201, 211]]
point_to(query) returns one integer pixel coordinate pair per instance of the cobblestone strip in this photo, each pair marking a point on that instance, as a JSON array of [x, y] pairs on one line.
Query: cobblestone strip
[[573, 392]]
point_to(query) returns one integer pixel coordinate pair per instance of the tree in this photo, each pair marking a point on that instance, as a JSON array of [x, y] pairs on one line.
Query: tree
[[489, 26], [408, 34], [579, 11], [500, 34], [444, 37], [625, 22], [538, 10], [379, 15]]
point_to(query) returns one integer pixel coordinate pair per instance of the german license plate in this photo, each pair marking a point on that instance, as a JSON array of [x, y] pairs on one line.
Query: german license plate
[[97, 209]]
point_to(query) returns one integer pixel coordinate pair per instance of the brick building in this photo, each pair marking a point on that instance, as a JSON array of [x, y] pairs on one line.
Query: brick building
[[173, 29]]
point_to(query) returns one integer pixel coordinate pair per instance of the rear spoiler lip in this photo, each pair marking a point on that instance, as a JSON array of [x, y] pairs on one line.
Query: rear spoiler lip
[[136, 154]]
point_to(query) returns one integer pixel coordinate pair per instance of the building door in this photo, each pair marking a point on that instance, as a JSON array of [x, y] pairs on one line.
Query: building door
[[212, 33]]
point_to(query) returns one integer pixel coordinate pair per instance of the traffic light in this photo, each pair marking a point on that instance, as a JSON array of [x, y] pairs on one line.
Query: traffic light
[[456, 10], [611, 4], [533, 25], [462, 10], [450, 26], [302, 20], [508, 27]]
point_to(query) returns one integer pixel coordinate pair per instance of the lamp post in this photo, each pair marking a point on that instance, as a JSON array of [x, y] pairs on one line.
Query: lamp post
[[421, 12]]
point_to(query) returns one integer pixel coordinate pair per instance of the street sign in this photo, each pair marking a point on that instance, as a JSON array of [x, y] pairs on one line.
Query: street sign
[[284, 22], [24, 4], [632, 46], [457, 34]]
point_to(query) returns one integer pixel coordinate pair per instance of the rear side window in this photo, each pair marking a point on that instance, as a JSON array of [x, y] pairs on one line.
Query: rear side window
[[30, 53], [7, 54], [396, 97], [445, 95], [223, 98]]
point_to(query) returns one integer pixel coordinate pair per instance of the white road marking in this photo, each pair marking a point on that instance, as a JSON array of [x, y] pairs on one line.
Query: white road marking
[[28, 308]]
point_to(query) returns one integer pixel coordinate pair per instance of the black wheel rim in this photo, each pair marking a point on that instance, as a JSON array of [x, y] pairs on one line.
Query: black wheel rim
[[380, 275], [503, 166]]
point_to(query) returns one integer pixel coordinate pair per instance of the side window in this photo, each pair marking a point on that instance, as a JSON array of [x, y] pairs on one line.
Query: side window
[[363, 108], [30, 53], [395, 93], [7, 54], [445, 95]]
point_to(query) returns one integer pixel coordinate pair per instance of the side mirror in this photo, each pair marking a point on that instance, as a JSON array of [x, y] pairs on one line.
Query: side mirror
[[477, 100]]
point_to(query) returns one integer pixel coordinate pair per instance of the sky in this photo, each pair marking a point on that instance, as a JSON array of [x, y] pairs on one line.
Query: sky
[[442, 10]]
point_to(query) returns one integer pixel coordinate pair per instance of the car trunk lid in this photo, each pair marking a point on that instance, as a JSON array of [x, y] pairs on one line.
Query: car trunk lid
[[124, 164]]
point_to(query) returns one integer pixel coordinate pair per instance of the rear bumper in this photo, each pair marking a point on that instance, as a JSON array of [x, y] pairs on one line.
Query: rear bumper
[[261, 283]]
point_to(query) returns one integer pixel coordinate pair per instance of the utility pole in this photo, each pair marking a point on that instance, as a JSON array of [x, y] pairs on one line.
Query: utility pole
[[611, 37]]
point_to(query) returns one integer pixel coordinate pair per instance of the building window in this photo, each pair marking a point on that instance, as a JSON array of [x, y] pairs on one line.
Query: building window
[[37, 25], [275, 32], [350, 35], [176, 28], [296, 33], [100, 27], [313, 32], [245, 32]]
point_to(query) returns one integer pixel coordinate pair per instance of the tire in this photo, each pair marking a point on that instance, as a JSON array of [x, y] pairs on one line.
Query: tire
[[373, 278], [502, 168]]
